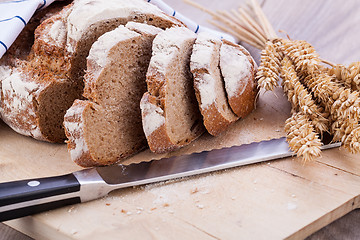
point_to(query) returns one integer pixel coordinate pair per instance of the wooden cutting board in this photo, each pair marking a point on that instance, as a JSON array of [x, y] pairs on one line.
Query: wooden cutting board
[[279, 199]]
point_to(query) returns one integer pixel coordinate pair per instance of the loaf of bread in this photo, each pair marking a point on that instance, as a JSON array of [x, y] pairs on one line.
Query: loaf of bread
[[170, 115], [107, 127], [122, 87], [209, 85], [37, 93]]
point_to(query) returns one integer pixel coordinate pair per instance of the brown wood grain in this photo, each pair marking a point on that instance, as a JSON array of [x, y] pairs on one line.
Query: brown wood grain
[[328, 25], [344, 228], [271, 201], [10, 233]]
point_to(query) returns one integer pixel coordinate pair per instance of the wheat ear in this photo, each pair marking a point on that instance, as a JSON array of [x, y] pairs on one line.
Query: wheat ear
[[302, 137], [343, 104], [347, 104], [269, 69], [300, 98], [354, 69], [302, 54], [352, 140], [349, 77], [323, 88]]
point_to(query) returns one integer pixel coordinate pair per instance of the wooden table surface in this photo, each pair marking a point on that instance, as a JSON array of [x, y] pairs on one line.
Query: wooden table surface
[[331, 26]]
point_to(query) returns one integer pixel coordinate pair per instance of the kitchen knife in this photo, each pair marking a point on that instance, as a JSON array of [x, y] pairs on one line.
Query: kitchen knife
[[27, 197]]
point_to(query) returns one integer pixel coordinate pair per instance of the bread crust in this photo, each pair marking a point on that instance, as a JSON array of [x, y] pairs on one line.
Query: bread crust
[[18, 106], [214, 121], [23, 91], [75, 131], [243, 102], [158, 140]]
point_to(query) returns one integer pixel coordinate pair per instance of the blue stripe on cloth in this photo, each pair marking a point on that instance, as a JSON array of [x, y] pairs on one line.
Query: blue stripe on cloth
[[18, 1], [197, 29], [21, 19], [174, 13], [42, 5], [4, 20], [3, 44], [149, 0]]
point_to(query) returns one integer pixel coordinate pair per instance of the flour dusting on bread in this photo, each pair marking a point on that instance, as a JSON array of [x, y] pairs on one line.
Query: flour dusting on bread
[[206, 88], [152, 117], [100, 49], [57, 32], [89, 12], [164, 48], [236, 69], [18, 93], [75, 126]]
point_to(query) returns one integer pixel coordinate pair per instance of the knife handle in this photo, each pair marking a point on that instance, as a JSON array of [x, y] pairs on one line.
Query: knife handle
[[27, 197]]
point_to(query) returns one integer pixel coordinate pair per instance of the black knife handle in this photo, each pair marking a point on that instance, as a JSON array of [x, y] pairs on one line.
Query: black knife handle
[[27, 197]]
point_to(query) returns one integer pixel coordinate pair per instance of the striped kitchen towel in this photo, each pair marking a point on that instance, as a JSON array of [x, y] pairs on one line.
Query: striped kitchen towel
[[189, 23], [14, 15]]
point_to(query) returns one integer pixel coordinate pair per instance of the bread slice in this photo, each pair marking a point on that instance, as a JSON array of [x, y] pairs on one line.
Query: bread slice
[[209, 85], [170, 115], [238, 70], [107, 127], [57, 63]]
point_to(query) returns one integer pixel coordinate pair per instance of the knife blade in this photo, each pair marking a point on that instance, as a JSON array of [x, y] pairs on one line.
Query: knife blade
[[27, 197]]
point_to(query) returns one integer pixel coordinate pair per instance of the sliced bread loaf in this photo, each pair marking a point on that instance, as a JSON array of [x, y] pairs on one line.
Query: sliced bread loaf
[[170, 115], [209, 85], [238, 70], [37, 93], [107, 127]]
